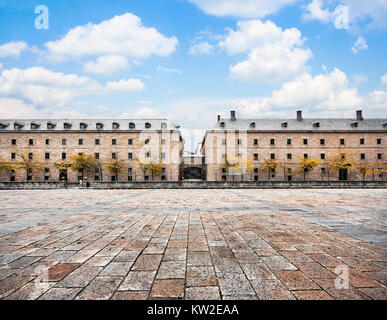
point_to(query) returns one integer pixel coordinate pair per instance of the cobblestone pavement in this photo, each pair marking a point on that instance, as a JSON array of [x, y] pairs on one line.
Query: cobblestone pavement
[[193, 244]]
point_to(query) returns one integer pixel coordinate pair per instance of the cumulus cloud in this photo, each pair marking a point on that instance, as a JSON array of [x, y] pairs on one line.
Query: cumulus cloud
[[371, 13], [164, 69], [107, 64], [273, 54], [43, 87], [201, 48], [122, 35], [378, 100], [360, 44], [12, 49], [242, 9], [384, 79]]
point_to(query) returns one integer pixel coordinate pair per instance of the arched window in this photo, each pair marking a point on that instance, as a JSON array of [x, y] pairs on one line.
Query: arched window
[[132, 125], [148, 125]]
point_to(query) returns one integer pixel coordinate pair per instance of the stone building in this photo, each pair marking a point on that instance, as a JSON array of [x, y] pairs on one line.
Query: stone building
[[237, 149], [49, 142]]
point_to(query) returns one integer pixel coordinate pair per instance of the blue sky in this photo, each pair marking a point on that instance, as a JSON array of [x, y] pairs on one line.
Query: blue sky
[[189, 60]]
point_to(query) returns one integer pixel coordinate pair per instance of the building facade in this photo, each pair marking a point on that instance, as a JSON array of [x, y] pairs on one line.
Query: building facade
[[51, 145], [234, 150], [285, 149]]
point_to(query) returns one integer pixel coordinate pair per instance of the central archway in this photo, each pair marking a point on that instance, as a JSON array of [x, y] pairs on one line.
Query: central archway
[[193, 173]]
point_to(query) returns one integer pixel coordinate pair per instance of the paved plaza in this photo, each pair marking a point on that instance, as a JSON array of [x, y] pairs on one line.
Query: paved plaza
[[193, 244]]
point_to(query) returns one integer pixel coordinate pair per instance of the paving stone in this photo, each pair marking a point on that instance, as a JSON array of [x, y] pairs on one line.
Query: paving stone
[[60, 294], [60, 271], [340, 294], [174, 254], [271, 290], [375, 293], [201, 276], [325, 259], [202, 293], [147, 262], [107, 252], [138, 280], [167, 289], [314, 270], [257, 271], [171, 270], [101, 288], [12, 283], [130, 295], [23, 262], [31, 291], [312, 295], [126, 256], [81, 277], [296, 280], [199, 259], [99, 261], [276, 263], [116, 269], [234, 285]]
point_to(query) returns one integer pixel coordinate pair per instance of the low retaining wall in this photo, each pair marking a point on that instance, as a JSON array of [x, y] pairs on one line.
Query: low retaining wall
[[198, 185]]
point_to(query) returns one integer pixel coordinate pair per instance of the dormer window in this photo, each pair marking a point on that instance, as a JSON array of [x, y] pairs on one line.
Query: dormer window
[[163, 125], [4, 125], [132, 125], [83, 126], [355, 124], [284, 124], [67, 125], [116, 125], [99, 126], [35, 125], [316, 124], [222, 124], [18, 125], [51, 125], [384, 124], [148, 125], [252, 125]]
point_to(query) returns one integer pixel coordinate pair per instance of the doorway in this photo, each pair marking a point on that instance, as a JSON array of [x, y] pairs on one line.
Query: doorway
[[343, 174]]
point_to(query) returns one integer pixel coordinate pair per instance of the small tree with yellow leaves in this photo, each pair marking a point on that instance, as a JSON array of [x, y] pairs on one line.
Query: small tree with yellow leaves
[[341, 161], [149, 167], [62, 167], [307, 165], [269, 166], [8, 166], [29, 163], [82, 162], [114, 167]]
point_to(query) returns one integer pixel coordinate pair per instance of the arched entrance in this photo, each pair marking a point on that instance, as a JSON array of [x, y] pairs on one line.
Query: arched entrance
[[63, 175], [193, 173]]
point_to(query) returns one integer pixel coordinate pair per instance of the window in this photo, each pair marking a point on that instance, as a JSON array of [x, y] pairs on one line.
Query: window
[[132, 125], [255, 142], [322, 142], [162, 141], [272, 141], [116, 125], [13, 155], [99, 126], [362, 156], [114, 155], [30, 141], [130, 155], [252, 125], [361, 141], [222, 124], [30, 156], [322, 156], [96, 178], [223, 156], [224, 178], [289, 156], [162, 155], [97, 141], [113, 178], [148, 125], [272, 156], [239, 141], [224, 142], [379, 141], [114, 142], [130, 141], [12, 178], [163, 125], [29, 178], [379, 156], [83, 126], [47, 141], [256, 170], [130, 178], [255, 156], [13, 141], [323, 170], [80, 142], [255, 178], [64, 142], [289, 141], [305, 141], [96, 156], [47, 156], [63, 156], [162, 177], [46, 170], [130, 170], [146, 141], [305, 155], [224, 170], [146, 178], [147, 154], [342, 141]]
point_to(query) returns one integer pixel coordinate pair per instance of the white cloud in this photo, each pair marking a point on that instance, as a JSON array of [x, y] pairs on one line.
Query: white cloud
[[273, 54], [12, 49], [243, 9], [371, 13], [384, 79], [124, 85], [141, 113], [43, 87], [360, 44], [201, 48], [107, 64], [121, 35], [378, 100], [161, 68]]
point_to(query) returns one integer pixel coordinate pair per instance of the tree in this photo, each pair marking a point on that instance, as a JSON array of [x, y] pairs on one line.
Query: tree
[[307, 165], [114, 167], [286, 168], [238, 165], [62, 166], [269, 165], [363, 169], [28, 164], [340, 161], [8, 166], [149, 167], [82, 162]]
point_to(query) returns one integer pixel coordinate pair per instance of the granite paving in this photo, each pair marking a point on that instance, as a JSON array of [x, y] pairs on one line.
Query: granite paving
[[296, 244]]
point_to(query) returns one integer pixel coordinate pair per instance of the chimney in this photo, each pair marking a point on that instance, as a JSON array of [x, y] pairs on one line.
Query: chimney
[[359, 115], [299, 115], [233, 117], [218, 117]]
